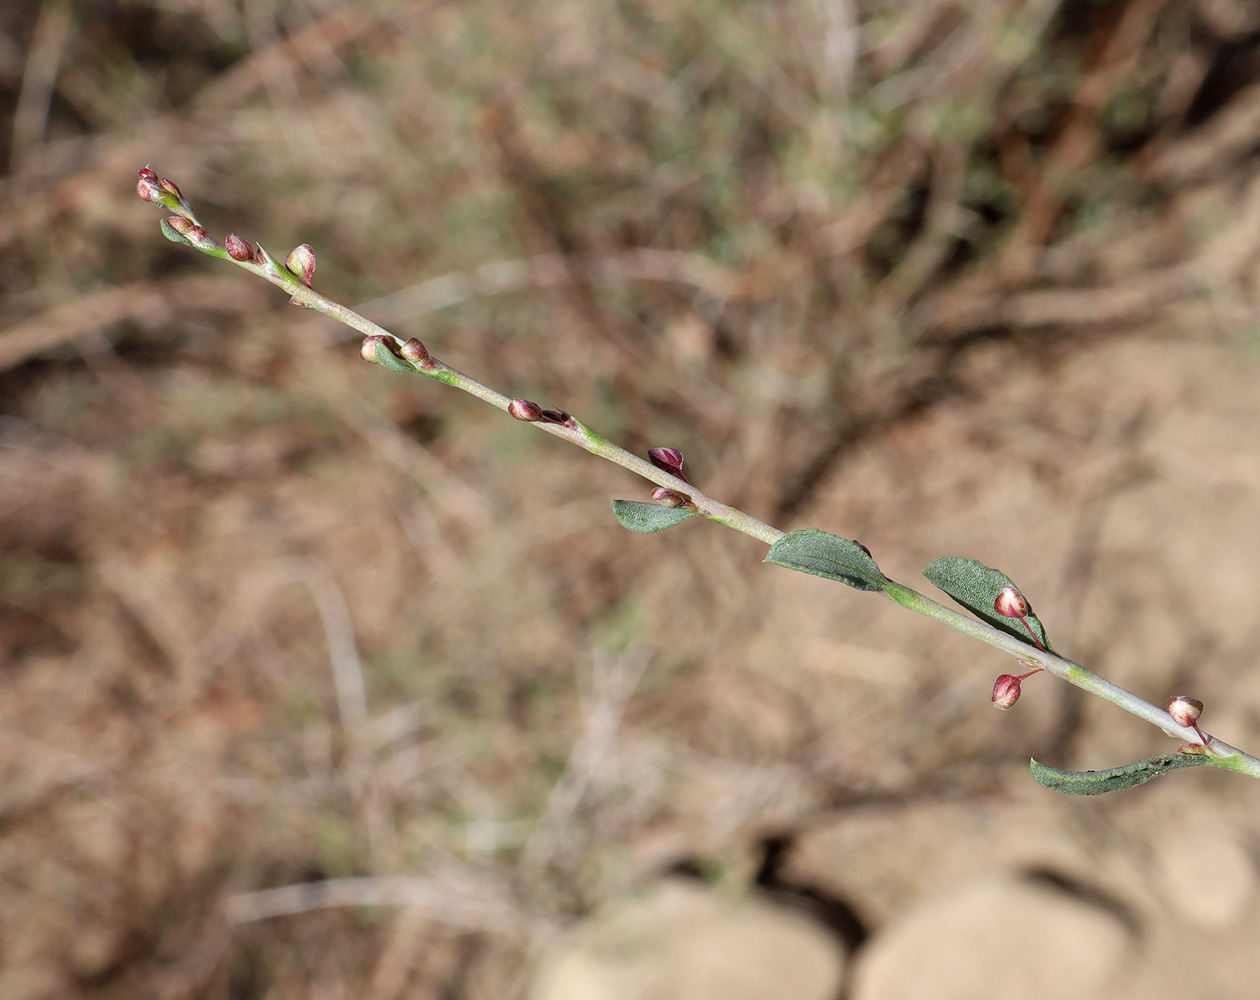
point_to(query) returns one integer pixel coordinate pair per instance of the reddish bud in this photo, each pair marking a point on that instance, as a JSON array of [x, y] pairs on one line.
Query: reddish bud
[[1006, 691], [301, 261], [1185, 711], [368, 350], [237, 248], [147, 185], [555, 416], [414, 351], [668, 460], [668, 498], [180, 224], [170, 188], [523, 409], [197, 234], [1011, 603]]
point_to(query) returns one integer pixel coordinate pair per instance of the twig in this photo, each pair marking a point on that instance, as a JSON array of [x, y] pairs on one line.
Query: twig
[[383, 347]]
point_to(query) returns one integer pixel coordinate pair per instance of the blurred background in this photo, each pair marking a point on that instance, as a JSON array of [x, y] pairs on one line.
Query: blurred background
[[320, 681]]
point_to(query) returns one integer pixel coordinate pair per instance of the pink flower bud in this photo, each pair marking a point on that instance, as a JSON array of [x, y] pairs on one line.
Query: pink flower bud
[[237, 248], [668, 460], [555, 416], [415, 352], [301, 261], [1011, 603], [1006, 691], [169, 187], [197, 234], [668, 498], [180, 224], [523, 409], [368, 350], [147, 185], [1185, 711]]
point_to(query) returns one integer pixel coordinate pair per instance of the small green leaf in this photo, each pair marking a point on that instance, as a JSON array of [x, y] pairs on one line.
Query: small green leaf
[[1113, 779], [388, 359], [646, 518], [975, 586], [169, 232], [819, 553]]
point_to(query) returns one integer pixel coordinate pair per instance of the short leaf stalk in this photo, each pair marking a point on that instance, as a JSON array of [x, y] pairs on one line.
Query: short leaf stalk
[[676, 497]]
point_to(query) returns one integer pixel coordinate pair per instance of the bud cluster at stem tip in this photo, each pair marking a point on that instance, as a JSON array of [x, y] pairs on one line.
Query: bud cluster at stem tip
[[161, 191]]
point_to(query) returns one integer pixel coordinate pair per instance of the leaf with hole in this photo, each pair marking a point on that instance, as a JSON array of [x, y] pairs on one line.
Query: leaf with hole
[[646, 518], [820, 553], [976, 587], [1114, 779]]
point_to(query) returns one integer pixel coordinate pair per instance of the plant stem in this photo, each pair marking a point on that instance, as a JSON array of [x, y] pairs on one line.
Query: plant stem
[[1220, 753]]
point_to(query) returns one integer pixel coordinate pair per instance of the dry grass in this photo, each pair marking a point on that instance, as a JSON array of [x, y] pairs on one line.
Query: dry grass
[[270, 616]]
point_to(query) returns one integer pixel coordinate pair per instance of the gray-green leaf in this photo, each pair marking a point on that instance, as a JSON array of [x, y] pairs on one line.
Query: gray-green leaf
[[819, 553], [1113, 779], [646, 518], [975, 586]]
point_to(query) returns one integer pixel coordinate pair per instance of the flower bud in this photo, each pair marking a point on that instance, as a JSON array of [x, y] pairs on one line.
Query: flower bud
[[668, 498], [523, 409], [668, 460], [169, 187], [180, 224], [1185, 711], [301, 261], [368, 350], [555, 416], [147, 185], [198, 235], [1006, 691], [237, 248], [414, 351], [1011, 603]]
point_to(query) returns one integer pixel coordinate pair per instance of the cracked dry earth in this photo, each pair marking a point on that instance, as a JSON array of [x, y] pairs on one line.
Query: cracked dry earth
[[1120, 487]]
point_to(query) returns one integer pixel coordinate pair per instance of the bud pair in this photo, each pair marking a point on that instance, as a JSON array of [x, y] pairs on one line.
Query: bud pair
[[161, 191]]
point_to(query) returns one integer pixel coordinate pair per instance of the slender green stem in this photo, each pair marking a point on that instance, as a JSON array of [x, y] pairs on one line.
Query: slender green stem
[[1221, 754]]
